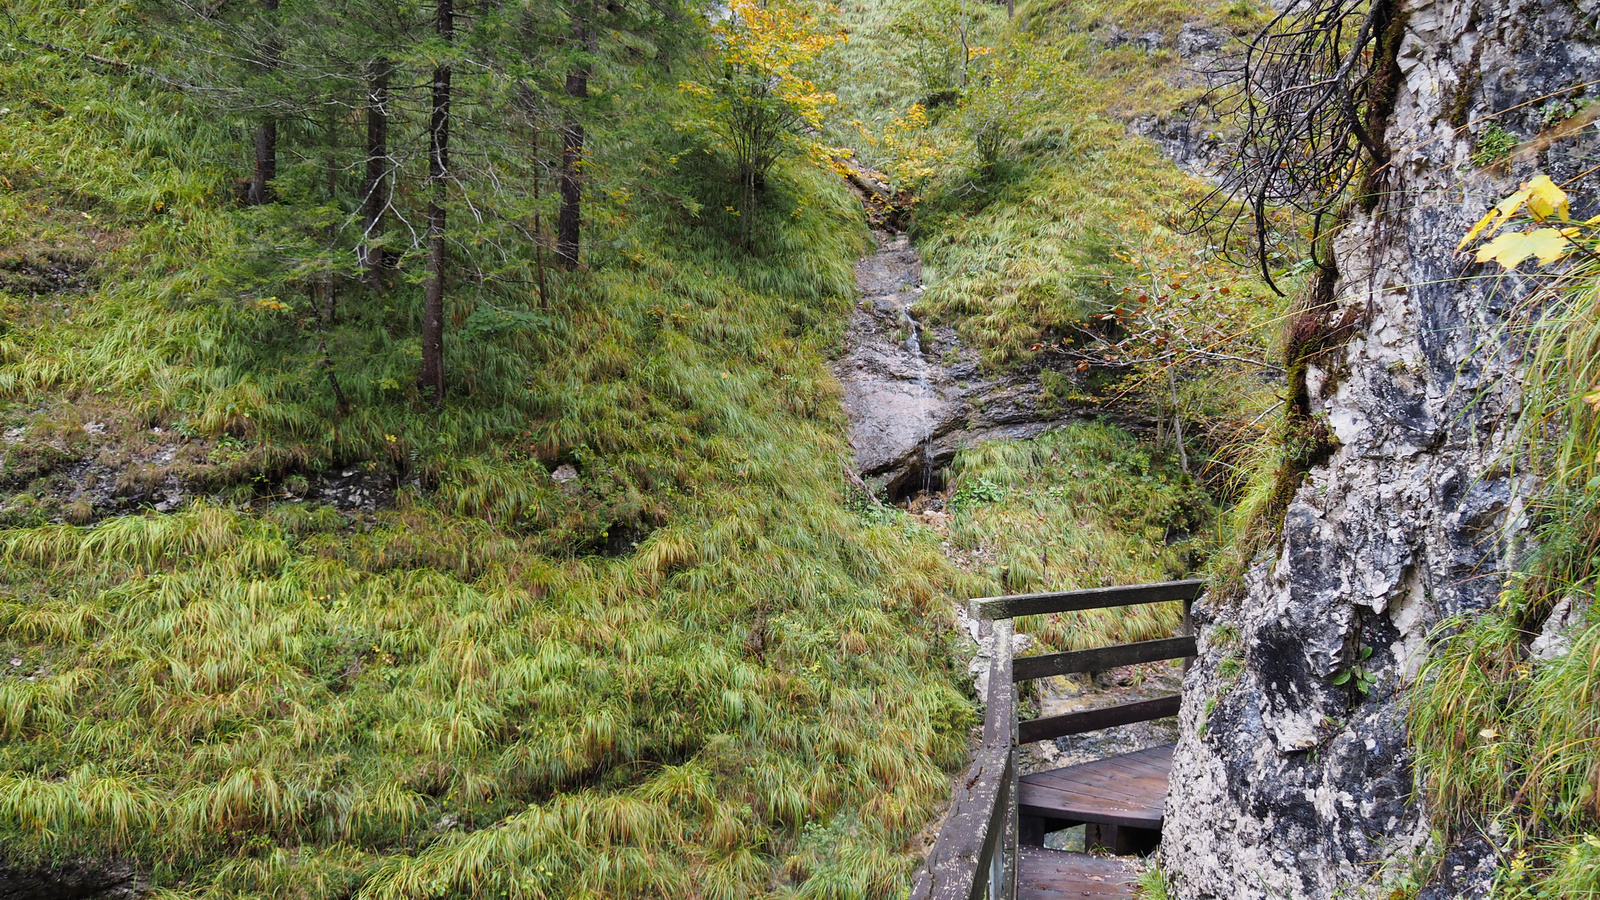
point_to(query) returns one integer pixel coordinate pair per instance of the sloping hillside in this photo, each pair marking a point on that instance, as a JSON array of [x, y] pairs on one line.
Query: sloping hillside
[[609, 620]]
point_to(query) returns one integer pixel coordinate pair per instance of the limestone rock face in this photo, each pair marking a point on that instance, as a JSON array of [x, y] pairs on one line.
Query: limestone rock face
[[1286, 783]]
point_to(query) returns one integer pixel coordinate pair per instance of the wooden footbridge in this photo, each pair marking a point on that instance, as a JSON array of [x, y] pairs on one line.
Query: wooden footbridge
[[992, 841]]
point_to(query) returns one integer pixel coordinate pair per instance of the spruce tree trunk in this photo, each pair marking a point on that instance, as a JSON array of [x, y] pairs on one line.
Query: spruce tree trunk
[[266, 167], [432, 378], [569, 223], [375, 187], [266, 150]]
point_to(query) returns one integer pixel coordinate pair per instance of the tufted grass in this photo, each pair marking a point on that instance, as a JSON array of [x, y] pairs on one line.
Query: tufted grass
[[1504, 740], [691, 671], [1021, 258], [1045, 257], [1084, 506]]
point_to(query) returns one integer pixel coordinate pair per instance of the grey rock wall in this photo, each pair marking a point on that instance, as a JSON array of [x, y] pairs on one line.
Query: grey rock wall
[[1286, 784]]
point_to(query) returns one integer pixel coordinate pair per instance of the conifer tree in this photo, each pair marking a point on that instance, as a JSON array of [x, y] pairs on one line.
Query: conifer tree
[[582, 46], [432, 378], [266, 148], [375, 185]]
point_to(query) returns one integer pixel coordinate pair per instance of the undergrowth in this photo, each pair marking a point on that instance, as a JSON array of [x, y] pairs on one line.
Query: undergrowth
[[1066, 253], [479, 691], [1507, 730], [1085, 506], [692, 665], [1016, 256]]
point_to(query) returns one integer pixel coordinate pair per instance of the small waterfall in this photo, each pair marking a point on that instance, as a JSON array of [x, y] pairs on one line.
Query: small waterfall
[[913, 344]]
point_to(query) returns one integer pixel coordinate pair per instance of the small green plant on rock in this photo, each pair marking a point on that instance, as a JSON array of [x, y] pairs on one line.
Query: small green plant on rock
[[1358, 675], [1153, 883], [1494, 145]]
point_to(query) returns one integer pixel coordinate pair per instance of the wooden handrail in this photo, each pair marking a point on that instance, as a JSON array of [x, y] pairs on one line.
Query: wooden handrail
[[975, 853], [1027, 668], [992, 608], [1096, 719]]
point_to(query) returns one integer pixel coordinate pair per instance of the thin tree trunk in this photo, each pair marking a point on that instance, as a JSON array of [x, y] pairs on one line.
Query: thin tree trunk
[[1177, 419], [330, 281], [569, 222], [375, 187], [341, 403], [432, 379], [331, 172], [266, 165], [538, 219]]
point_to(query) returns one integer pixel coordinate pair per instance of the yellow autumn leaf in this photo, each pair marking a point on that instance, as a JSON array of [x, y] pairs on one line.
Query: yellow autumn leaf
[[1509, 250], [1545, 199], [1496, 217], [1593, 399], [1488, 219]]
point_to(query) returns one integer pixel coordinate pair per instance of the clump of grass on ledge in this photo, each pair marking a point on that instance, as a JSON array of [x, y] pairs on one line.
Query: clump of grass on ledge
[[1083, 506]]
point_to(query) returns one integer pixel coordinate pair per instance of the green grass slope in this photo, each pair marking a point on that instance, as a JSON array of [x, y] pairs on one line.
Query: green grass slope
[[694, 665], [479, 690]]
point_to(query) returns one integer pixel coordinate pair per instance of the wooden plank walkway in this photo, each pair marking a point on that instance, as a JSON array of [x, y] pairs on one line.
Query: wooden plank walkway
[[1058, 875], [1129, 791], [990, 844]]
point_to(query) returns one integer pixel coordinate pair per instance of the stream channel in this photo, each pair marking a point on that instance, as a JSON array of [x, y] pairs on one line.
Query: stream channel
[[915, 396], [914, 393]]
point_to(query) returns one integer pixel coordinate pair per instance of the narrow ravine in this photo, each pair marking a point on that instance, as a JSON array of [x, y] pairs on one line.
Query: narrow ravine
[[915, 394], [914, 397], [896, 398]]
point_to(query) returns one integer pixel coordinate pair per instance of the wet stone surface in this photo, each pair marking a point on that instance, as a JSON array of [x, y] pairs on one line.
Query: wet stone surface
[[914, 393]]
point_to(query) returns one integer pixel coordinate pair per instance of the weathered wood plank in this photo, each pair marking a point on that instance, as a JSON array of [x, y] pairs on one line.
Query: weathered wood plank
[[989, 608], [957, 868], [1058, 875], [1000, 704], [1095, 719], [1101, 658]]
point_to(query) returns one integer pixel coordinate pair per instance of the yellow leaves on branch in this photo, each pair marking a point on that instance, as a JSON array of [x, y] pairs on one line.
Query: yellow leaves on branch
[[905, 148], [772, 35], [781, 39], [1541, 200], [1510, 249]]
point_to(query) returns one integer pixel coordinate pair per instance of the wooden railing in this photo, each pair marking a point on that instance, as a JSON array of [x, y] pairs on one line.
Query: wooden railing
[[976, 851], [975, 854]]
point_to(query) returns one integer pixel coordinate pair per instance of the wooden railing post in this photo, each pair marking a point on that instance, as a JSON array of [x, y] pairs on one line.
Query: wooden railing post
[[1006, 889], [1188, 629]]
